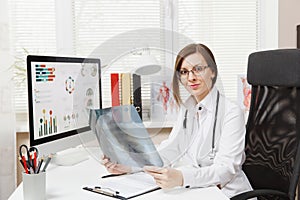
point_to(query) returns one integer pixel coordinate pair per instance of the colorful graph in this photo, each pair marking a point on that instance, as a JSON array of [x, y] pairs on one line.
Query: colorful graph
[[70, 85], [47, 126], [44, 73]]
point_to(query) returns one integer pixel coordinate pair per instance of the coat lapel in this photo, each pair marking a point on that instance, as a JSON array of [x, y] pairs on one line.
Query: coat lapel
[[206, 145]]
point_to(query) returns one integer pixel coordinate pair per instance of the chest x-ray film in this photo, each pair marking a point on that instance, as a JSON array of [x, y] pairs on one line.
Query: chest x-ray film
[[122, 136]]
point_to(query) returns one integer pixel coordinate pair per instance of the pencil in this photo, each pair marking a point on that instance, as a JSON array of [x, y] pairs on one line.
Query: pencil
[[47, 163]]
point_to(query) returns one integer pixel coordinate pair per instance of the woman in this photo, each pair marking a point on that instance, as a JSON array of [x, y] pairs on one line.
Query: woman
[[206, 145]]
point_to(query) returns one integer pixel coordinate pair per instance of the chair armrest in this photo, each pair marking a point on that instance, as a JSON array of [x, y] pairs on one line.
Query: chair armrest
[[260, 192]]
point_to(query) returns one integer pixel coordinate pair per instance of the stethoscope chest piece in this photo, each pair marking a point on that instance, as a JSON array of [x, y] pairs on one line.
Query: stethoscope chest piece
[[212, 154]]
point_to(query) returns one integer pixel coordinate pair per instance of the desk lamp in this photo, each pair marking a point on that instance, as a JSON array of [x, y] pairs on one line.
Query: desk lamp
[[147, 65]]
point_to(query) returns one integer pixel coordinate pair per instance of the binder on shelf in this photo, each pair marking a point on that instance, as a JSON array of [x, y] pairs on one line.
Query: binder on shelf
[[115, 92], [137, 94], [125, 88], [125, 186], [126, 93]]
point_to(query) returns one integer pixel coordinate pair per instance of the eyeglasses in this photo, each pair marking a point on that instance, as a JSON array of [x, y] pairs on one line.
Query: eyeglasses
[[196, 70]]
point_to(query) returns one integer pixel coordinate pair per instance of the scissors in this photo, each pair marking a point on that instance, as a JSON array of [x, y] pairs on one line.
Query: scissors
[[30, 161]]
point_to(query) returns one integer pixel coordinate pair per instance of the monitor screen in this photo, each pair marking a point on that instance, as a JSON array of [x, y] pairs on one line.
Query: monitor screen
[[61, 91]]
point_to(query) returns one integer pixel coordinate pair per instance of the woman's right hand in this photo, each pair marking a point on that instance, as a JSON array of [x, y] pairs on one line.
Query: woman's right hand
[[114, 168]]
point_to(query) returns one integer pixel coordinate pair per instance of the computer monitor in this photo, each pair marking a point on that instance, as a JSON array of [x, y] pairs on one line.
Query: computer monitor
[[61, 90]]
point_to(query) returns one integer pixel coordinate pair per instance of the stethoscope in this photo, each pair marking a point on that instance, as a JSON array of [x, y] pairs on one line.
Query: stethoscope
[[212, 153]]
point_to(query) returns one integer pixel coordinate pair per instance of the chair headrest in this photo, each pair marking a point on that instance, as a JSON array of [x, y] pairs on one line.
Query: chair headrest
[[274, 68]]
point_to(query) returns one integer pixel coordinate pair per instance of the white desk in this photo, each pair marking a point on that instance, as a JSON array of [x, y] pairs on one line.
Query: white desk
[[66, 183]]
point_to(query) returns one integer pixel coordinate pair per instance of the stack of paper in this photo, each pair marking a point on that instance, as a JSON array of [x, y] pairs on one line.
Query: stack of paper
[[130, 185]]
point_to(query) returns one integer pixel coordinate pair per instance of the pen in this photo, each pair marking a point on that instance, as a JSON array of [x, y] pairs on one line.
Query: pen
[[47, 163], [34, 159], [21, 161], [31, 162], [39, 166], [113, 175], [25, 164], [31, 170]]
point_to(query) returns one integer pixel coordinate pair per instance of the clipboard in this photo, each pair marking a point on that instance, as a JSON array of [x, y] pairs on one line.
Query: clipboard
[[125, 186]]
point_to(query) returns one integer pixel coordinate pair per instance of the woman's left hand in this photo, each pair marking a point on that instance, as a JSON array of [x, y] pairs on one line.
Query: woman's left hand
[[114, 168], [165, 177]]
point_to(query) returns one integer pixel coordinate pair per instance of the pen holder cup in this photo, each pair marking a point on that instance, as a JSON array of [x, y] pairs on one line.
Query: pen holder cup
[[34, 186]]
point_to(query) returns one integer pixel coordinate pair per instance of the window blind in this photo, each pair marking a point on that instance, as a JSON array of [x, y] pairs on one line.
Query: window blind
[[32, 31], [108, 29], [229, 28]]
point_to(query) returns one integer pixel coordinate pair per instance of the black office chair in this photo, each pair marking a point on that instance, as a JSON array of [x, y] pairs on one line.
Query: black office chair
[[273, 127]]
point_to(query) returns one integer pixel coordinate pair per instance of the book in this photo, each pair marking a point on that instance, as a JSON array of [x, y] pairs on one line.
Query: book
[[115, 92], [129, 86], [137, 94], [125, 93], [126, 88]]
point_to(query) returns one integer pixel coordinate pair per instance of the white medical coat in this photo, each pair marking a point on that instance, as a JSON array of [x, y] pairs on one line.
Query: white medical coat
[[190, 149]]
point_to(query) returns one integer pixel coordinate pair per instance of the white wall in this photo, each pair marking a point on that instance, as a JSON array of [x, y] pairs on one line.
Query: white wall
[[289, 18], [268, 24], [7, 119], [284, 33]]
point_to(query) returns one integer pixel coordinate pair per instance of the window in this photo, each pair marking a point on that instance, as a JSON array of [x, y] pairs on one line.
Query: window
[[32, 30], [113, 30], [229, 28]]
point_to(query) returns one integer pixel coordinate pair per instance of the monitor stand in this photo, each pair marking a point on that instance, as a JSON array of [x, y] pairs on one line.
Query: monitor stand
[[70, 156]]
